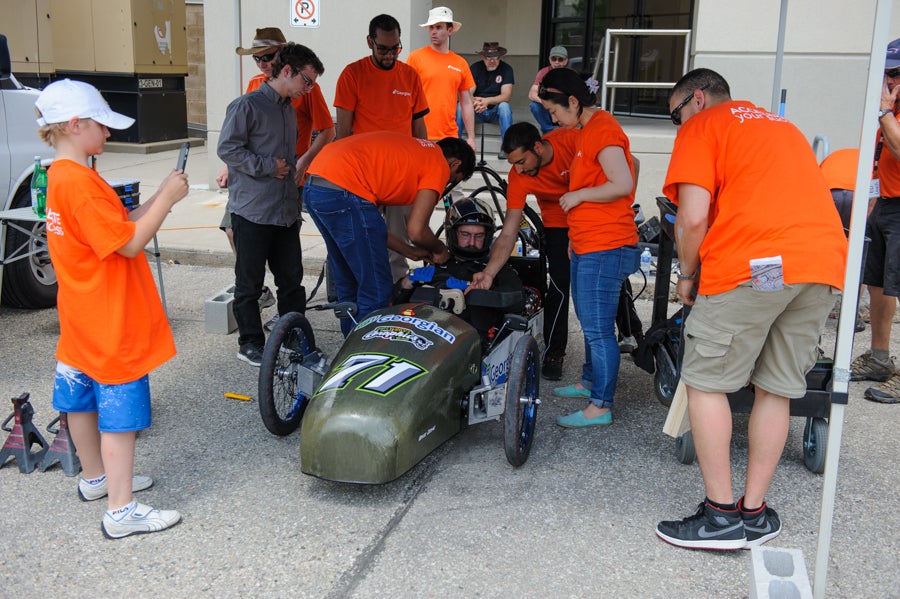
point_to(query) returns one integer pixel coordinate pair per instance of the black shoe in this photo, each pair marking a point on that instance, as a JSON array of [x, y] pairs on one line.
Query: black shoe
[[552, 368], [709, 528], [251, 353], [761, 525]]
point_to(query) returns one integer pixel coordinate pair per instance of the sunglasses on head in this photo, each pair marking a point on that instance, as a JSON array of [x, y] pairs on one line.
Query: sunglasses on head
[[893, 73], [676, 114], [265, 57]]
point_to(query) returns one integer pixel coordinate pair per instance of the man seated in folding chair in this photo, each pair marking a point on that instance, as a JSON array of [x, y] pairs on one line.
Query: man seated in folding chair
[[470, 232]]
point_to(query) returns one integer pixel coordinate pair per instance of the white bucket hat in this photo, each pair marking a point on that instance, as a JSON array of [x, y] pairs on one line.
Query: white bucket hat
[[66, 99], [441, 14]]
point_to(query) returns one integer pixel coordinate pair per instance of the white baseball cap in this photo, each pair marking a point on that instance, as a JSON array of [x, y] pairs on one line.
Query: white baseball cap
[[66, 99]]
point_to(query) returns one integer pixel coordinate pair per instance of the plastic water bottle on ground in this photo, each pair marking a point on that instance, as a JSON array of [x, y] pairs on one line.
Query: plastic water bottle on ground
[[645, 261]]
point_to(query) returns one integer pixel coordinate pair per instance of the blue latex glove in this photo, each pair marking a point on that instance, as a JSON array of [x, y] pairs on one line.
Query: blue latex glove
[[454, 283], [423, 274]]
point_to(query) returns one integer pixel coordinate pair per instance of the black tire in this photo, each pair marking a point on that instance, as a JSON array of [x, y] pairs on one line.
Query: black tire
[[815, 440], [31, 282], [281, 405], [522, 398], [665, 377], [684, 448]]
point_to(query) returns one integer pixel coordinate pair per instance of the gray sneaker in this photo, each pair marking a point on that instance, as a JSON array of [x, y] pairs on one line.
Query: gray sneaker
[[886, 392], [867, 368], [139, 519], [89, 492]]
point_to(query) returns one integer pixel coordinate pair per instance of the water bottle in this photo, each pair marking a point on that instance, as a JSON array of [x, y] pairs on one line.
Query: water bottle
[[645, 261], [39, 189]]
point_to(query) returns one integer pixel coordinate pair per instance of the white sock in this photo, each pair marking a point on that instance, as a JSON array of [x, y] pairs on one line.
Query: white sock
[[121, 512]]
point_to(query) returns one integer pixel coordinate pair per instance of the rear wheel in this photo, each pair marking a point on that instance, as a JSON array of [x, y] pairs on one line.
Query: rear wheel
[[31, 281], [665, 377], [684, 448], [522, 398], [281, 404]]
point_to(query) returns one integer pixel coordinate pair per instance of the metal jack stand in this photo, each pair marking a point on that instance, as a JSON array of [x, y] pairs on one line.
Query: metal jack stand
[[22, 436], [62, 449]]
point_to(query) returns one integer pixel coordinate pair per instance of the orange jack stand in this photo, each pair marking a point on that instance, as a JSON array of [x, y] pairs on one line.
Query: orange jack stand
[[22, 436]]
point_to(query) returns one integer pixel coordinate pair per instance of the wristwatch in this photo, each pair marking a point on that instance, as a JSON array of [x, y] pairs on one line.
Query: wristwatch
[[683, 277], [883, 112]]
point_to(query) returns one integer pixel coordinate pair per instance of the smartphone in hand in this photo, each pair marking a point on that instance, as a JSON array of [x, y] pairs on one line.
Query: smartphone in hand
[[182, 156]]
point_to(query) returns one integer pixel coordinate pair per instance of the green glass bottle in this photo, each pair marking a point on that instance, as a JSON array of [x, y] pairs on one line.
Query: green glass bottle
[[39, 189]]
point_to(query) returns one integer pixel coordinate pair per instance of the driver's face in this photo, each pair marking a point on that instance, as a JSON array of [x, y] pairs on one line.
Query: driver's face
[[470, 236]]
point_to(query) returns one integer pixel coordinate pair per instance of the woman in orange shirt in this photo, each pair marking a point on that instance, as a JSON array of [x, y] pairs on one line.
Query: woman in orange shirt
[[602, 233]]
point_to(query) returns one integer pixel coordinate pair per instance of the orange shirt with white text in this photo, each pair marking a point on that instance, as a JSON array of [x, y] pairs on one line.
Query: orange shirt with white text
[[550, 182], [443, 77]]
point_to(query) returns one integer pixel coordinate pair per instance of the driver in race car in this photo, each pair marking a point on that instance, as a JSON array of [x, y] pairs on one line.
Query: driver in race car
[[470, 232]]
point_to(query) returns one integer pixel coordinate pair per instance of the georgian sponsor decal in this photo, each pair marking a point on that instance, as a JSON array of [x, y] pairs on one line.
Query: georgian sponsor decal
[[397, 92], [457, 69], [398, 334], [384, 374], [419, 323]]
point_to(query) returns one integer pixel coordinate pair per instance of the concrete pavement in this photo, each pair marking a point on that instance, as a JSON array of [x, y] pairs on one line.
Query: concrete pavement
[[576, 520]]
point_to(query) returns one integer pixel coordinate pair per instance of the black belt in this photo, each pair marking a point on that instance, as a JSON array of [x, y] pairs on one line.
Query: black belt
[[321, 182]]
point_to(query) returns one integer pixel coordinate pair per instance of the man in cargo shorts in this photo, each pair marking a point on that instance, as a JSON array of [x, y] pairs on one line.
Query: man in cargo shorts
[[764, 292]]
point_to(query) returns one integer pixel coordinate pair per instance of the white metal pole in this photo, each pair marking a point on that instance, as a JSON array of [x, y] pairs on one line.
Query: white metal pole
[[779, 58], [844, 343]]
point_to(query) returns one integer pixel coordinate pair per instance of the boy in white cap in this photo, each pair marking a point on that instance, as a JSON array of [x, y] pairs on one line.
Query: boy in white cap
[[113, 330]]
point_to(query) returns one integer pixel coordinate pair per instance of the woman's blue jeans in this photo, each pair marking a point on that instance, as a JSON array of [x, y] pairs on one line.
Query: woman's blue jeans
[[596, 282]]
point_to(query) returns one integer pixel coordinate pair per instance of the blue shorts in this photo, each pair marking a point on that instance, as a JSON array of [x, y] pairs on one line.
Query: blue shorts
[[120, 408]]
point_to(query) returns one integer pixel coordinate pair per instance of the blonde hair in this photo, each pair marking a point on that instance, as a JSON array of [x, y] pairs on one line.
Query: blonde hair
[[51, 133]]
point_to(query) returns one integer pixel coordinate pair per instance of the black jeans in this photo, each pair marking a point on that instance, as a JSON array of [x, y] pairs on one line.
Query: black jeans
[[556, 302], [256, 245]]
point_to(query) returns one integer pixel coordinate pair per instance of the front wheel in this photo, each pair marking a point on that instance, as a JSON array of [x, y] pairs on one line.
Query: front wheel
[[281, 404], [522, 399], [815, 438]]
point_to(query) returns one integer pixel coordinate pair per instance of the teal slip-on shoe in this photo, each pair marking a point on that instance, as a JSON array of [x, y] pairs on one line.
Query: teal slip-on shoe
[[571, 391], [577, 420]]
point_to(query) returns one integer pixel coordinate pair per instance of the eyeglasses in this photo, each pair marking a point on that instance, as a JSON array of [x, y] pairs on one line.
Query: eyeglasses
[[893, 73], [265, 57], [492, 58], [384, 50], [306, 80], [676, 114], [558, 59], [473, 236]]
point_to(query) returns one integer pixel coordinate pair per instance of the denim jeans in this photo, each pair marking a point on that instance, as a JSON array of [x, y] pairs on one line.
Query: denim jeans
[[356, 237], [501, 113], [596, 283], [542, 117]]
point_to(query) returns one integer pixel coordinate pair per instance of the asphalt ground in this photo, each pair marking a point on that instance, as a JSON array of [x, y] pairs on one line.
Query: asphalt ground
[[577, 520]]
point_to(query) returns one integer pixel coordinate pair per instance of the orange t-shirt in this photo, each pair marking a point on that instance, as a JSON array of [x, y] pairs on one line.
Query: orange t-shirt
[[384, 167], [594, 226], [839, 168], [380, 100], [443, 77], [888, 172], [112, 323], [312, 113], [769, 197], [550, 182]]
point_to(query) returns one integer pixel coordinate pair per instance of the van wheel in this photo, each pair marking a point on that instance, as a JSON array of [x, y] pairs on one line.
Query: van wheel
[[31, 281]]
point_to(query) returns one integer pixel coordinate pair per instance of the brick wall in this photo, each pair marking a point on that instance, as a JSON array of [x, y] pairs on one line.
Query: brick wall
[[195, 83]]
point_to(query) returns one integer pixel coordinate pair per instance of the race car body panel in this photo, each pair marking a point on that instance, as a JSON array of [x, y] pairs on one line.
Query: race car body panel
[[391, 396]]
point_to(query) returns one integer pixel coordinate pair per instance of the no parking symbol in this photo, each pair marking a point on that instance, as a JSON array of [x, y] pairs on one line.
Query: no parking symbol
[[305, 13]]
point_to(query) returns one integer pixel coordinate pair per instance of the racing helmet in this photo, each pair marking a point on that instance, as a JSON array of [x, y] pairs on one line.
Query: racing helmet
[[470, 211]]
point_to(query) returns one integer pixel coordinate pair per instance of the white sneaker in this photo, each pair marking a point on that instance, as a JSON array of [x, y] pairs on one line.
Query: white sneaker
[[139, 519], [89, 492]]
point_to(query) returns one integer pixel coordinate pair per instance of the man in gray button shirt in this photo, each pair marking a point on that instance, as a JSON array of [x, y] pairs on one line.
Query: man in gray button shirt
[[258, 144]]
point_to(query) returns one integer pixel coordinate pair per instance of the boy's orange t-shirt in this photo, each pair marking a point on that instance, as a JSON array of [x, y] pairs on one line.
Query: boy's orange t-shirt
[[384, 167], [551, 181], [839, 168], [312, 113], [443, 77], [769, 197], [112, 323], [595, 226], [381, 100]]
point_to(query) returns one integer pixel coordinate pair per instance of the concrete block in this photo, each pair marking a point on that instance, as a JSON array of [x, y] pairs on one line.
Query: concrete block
[[218, 312], [778, 574]]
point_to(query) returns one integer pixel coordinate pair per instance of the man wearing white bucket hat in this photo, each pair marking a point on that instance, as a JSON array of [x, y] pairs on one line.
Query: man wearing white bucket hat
[[446, 78]]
